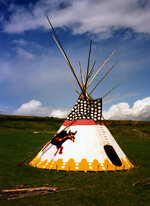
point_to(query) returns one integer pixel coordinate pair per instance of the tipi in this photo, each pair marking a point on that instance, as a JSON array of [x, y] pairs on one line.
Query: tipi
[[83, 142]]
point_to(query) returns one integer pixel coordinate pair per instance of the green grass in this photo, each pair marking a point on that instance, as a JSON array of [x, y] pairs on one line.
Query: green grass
[[17, 141]]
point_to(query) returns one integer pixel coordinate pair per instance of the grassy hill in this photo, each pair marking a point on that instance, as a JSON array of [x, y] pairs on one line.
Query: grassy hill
[[18, 139], [28, 123]]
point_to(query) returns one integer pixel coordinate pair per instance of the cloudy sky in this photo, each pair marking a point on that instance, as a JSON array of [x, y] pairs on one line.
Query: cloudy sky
[[33, 72]]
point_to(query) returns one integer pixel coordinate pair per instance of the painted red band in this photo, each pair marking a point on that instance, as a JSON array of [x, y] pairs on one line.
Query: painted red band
[[81, 122]]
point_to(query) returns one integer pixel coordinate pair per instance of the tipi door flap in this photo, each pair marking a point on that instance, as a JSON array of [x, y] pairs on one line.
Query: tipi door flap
[[112, 155]]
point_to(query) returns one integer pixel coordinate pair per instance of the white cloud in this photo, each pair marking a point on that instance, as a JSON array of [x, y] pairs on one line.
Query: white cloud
[[97, 17], [35, 108], [122, 111], [30, 107], [24, 53], [59, 113]]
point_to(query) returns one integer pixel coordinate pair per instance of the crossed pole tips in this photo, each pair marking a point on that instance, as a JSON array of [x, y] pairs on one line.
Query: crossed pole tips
[[84, 83]]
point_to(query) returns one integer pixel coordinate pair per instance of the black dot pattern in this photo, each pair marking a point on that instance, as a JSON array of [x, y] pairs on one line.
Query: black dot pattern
[[86, 109]]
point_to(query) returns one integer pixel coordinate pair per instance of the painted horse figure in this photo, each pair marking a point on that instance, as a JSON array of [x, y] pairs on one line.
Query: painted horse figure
[[61, 138]]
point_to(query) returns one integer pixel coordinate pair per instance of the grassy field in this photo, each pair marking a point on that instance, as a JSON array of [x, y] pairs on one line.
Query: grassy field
[[17, 141]]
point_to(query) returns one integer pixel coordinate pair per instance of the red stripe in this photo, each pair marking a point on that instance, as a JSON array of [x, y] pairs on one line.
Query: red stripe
[[81, 122]]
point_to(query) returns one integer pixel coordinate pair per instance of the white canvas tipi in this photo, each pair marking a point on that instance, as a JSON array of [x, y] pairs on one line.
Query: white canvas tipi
[[83, 142]]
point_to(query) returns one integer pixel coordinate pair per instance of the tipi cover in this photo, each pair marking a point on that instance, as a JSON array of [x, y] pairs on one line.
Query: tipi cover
[[83, 142]]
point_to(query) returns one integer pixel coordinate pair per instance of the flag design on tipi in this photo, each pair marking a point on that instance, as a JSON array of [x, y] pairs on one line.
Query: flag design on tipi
[[83, 142]]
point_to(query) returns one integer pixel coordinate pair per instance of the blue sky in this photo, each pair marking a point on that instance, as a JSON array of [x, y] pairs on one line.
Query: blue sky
[[33, 72]]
